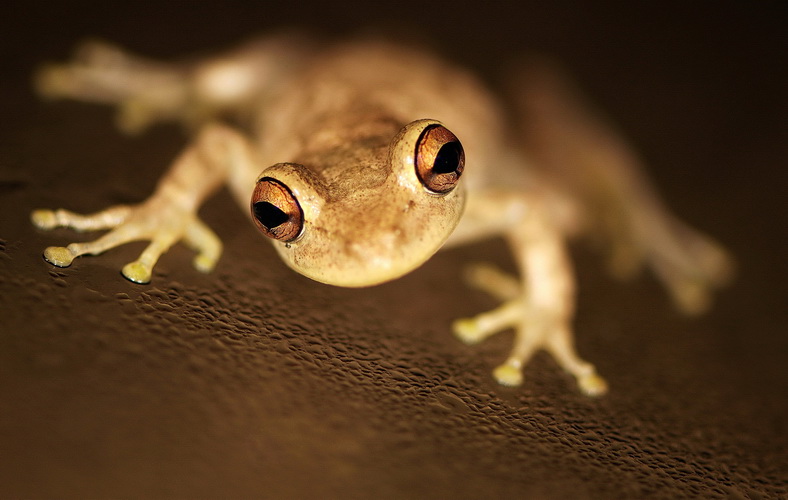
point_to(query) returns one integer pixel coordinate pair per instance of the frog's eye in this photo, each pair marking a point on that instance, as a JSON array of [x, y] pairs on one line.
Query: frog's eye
[[275, 210], [440, 159]]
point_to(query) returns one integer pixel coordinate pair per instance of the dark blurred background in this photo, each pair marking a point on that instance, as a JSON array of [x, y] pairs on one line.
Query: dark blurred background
[[253, 382]]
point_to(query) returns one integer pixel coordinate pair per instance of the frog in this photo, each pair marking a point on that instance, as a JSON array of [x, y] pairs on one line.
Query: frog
[[360, 159]]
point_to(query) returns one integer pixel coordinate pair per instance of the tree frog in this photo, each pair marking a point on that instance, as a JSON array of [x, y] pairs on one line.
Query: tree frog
[[360, 160]]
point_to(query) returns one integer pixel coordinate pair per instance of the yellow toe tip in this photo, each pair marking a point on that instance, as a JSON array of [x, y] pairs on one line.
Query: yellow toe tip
[[204, 264], [593, 385], [43, 219], [466, 331], [137, 272], [508, 375], [59, 256]]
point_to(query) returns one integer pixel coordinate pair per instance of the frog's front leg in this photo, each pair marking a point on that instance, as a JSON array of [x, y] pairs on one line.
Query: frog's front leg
[[219, 153], [540, 306], [157, 220]]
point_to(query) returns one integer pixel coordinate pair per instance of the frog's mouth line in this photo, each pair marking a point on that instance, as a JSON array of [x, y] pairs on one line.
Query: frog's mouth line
[[361, 265]]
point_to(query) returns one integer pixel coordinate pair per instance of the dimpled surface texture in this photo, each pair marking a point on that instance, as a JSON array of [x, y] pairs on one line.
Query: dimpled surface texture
[[255, 382]]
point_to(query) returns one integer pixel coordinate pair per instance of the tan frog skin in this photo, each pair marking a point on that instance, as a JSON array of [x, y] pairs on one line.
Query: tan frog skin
[[361, 160]]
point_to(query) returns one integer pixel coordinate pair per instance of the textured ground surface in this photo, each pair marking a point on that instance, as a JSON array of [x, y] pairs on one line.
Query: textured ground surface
[[254, 382]]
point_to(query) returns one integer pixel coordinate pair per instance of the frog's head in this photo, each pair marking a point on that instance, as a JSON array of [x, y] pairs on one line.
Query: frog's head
[[362, 215]]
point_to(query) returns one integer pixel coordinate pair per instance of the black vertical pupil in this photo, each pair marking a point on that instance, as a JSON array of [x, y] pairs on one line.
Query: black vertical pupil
[[269, 215], [448, 158]]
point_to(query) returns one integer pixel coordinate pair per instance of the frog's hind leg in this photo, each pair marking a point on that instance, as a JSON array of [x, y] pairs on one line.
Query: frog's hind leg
[[583, 155], [102, 72], [145, 91], [194, 92]]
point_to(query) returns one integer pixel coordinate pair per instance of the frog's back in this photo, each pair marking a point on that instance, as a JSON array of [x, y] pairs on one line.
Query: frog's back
[[358, 84]]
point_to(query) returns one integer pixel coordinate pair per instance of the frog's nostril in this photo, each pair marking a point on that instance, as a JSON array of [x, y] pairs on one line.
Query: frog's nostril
[[269, 215]]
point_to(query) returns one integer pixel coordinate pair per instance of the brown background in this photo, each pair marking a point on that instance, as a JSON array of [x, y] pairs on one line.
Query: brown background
[[255, 382]]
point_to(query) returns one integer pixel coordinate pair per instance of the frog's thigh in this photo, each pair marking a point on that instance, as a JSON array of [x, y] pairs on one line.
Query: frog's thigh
[[143, 90], [147, 91], [593, 162]]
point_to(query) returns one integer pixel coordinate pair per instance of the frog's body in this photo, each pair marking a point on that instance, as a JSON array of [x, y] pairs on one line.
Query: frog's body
[[360, 183]]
